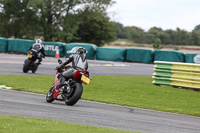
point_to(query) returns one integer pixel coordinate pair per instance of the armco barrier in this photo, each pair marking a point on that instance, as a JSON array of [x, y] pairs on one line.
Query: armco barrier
[[139, 55], [185, 75], [3, 44], [91, 49], [110, 54]]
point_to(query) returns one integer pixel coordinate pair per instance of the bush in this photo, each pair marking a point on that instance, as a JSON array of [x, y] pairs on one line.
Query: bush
[[157, 44]]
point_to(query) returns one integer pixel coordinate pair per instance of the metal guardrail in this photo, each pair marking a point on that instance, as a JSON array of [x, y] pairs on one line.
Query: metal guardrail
[[186, 75]]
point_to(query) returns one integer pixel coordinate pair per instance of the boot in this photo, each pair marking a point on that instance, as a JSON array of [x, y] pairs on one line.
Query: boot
[[39, 61], [62, 81]]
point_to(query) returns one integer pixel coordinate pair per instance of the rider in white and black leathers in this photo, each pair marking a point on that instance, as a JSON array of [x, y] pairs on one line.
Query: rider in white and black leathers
[[79, 62], [38, 46]]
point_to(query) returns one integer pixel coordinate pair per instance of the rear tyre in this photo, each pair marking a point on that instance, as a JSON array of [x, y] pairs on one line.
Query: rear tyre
[[49, 97], [26, 65], [75, 95]]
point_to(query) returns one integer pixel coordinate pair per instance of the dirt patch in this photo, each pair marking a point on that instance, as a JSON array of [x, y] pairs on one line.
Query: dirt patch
[[185, 49]]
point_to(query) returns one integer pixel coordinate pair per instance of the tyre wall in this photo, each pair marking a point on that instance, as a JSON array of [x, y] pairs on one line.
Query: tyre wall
[[99, 53], [139, 55], [3, 45], [110, 54], [22, 46], [169, 55], [91, 49], [189, 57]]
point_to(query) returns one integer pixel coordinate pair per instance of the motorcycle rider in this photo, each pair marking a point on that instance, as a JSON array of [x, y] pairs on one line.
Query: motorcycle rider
[[79, 62], [38, 46]]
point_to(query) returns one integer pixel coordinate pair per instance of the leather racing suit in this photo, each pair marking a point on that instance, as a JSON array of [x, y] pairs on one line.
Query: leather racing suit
[[79, 62]]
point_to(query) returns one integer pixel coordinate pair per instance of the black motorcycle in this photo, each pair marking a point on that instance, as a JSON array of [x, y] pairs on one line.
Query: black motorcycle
[[32, 61]]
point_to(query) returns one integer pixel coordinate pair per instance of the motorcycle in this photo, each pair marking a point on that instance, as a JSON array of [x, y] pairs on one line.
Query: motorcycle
[[72, 89], [32, 61]]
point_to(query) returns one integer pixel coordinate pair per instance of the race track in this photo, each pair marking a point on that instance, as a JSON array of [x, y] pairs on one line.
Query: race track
[[91, 113], [11, 64], [96, 114]]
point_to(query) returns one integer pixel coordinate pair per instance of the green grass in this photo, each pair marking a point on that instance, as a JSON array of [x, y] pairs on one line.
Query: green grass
[[12, 124], [122, 90]]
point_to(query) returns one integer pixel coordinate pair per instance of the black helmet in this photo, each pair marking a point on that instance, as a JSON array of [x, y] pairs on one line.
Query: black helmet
[[81, 50]]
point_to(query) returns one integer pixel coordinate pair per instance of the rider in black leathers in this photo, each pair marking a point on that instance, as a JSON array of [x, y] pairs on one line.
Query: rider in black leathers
[[37, 45], [79, 62]]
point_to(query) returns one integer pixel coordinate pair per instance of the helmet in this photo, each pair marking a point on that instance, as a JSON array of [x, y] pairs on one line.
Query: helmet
[[81, 50], [78, 50], [38, 41]]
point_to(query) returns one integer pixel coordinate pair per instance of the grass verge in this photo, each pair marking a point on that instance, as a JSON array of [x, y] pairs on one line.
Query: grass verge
[[122, 90], [13, 124]]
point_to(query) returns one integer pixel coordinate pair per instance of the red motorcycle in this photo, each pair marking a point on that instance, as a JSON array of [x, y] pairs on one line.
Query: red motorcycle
[[72, 90]]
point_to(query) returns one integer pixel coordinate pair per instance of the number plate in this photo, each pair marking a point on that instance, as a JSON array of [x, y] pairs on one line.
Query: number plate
[[85, 79], [29, 55]]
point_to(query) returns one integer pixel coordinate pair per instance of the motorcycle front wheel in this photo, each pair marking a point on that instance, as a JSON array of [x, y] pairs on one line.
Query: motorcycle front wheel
[[27, 63], [75, 95], [49, 97], [35, 67]]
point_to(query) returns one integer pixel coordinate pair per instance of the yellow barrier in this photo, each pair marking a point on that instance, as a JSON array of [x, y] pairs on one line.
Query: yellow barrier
[[185, 75]]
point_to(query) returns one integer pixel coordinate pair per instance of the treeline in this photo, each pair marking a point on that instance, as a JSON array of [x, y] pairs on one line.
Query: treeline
[[79, 21], [57, 20], [169, 37]]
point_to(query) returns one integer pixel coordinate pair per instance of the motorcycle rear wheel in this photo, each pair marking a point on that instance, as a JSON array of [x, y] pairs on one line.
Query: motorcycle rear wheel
[[75, 95], [49, 97]]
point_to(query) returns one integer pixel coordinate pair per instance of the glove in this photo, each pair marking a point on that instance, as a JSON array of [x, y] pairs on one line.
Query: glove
[[59, 67]]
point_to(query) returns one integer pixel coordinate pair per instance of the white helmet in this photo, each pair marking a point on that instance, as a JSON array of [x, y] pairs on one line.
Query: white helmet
[[38, 41]]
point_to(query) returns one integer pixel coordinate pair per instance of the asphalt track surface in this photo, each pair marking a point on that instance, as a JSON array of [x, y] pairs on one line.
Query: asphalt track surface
[[91, 113], [11, 64]]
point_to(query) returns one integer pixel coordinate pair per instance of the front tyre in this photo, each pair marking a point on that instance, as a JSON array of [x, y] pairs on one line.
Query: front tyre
[[35, 67], [72, 99], [49, 97], [27, 63]]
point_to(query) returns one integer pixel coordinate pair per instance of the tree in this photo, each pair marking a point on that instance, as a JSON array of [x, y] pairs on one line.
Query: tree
[[56, 16], [181, 37], [194, 38], [172, 37], [136, 34], [157, 44], [96, 28], [120, 30], [197, 28], [17, 20], [153, 33]]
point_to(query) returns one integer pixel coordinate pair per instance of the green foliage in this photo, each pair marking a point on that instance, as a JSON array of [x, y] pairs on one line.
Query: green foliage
[[58, 20], [157, 44], [104, 30], [176, 48], [175, 37], [17, 20], [197, 28], [123, 90], [79, 20], [135, 34], [120, 30]]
